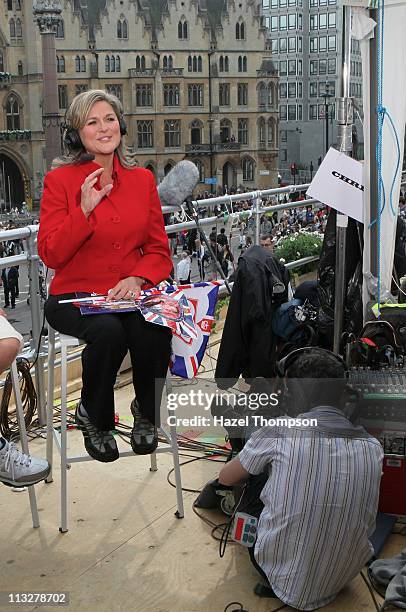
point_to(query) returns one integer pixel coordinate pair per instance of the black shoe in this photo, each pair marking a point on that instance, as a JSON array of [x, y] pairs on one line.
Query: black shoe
[[6, 306], [100, 445], [144, 435]]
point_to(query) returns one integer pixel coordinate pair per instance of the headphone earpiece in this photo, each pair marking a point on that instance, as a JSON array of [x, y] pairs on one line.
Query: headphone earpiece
[[283, 365]]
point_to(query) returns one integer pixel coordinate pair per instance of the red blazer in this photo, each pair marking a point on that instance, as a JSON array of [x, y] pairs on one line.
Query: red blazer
[[123, 236]]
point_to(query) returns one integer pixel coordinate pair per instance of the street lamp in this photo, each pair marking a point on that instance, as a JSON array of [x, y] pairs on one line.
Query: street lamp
[[311, 170], [326, 97]]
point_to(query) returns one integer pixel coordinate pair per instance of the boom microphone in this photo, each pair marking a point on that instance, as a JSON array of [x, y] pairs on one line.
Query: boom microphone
[[178, 184]]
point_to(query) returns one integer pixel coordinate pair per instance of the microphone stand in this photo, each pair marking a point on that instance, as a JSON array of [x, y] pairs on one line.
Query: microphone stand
[[195, 216]]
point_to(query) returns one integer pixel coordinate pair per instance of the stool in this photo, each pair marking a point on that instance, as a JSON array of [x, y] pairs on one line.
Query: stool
[[60, 439], [23, 437]]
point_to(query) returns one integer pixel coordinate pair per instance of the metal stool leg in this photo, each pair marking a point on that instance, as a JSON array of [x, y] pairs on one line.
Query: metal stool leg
[[50, 399], [154, 466], [23, 438], [175, 455], [64, 467]]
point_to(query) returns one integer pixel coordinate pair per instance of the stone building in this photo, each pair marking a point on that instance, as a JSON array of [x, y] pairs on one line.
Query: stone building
[[195, 77]]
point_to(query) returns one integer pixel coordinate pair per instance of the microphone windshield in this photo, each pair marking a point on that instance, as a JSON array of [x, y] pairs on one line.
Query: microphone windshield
[[178, 184]]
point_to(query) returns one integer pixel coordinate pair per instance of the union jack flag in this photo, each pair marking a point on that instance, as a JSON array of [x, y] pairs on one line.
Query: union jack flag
[[187, 352]]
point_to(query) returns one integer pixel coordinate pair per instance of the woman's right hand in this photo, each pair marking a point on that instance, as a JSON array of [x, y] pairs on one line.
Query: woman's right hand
[[91, 196]]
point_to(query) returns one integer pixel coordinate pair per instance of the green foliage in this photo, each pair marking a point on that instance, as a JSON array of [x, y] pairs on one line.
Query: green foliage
[[298, 246]]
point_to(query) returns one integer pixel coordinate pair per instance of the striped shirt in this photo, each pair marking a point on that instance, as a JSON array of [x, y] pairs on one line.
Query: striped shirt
[[320, 504]]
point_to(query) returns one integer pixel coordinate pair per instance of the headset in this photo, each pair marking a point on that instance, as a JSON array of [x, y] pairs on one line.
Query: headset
[[283, 365], [71, 138]]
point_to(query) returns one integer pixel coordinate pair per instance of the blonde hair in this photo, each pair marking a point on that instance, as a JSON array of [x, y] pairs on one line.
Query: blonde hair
[[75, 118]]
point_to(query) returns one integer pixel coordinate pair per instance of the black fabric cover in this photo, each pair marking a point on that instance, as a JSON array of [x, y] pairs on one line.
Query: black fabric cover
[[247, 345]]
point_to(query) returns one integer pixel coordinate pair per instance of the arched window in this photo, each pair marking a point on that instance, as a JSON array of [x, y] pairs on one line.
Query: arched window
[[77, 63], [20, 68], [119, 29], [107, 63], [200, 167], [239, 63], [244, 63], [182, 29], [262, 94], [12, 26], [242, 31], [83, 64], [221, 64], [248, 169], [261, 130], [142, 62], [170, 62], [271, 131], [18, 5], [62, 63], [271, 94], [9, 5], [225, 130], [226, 63], [1, 61], [199, 64], [12, 113], [113, 63], [60, 29], [194, 64], [237, 31], [189, 64], [145, 134], [196, 132], [125, 29], [118, 63], [19, 29]]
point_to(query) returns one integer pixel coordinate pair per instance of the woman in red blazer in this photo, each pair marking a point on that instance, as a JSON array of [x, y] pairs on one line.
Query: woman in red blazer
[[102, 231]]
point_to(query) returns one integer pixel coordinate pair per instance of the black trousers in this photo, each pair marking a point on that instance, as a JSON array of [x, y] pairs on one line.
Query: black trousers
[[108, 337], [10, 291]]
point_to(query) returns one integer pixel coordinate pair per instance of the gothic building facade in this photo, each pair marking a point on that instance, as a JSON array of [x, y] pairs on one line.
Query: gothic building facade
[[195, 78]]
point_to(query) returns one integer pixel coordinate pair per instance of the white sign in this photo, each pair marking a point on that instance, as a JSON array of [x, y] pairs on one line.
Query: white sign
[[264, 173], [338, 183]]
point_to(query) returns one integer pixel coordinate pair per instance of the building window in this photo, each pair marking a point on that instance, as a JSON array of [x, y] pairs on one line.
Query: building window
[[274, 45], [60, 63], [63, 96], [282, 112], [143, 95], [145, 135], [284, 136], [262, 95], [225, 130], [284, 155], [332, 66], [167, 62], [194, 63], [283, 89], [60, 29], [292, 44], [242, 63], [323, 21], [182, 30], [9, 5], [82, 63], [322, 67], [18, 5], [292, 21], [299, 44], [313, 66], [12, 26], [200, 167], [271, 131], [261, 131], [122, 28], [322, 44], [282, 45], [242, 94], [223, 63], [240, 31], [292, 90], [172, 133], [115, 90], [77, 63], [243, 131], [195, 95], [332, 43], [313, 22], [299, 21], [172, 94], [19, 29], [283, 68], [12, 113], [313, 90], [291, 112], [140, 63], [283, 22], [331, 20], [247, 169], [224, 94], [274, 23], [80, 88], [299, 112], [299, 90], [313, 44], [107, 63]]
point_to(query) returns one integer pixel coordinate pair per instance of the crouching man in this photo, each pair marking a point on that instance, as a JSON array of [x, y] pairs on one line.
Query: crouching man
[[320, 498]]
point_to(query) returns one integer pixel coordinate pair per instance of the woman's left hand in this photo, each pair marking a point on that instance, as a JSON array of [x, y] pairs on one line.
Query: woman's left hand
[[126, 289]]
